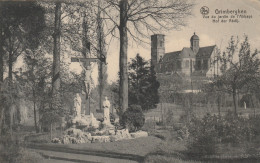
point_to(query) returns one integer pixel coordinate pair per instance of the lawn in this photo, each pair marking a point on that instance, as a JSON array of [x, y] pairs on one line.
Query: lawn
[[199, 110], [160, 146]]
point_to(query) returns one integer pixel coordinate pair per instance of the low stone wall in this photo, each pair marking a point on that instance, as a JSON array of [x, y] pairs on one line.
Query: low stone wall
[[77, 136]]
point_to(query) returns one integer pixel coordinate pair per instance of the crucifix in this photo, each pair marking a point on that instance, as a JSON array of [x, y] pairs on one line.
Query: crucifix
[[86, 60], [87, 75]]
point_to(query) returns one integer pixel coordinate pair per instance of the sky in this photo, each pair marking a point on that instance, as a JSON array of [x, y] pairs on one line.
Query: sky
[[209, 33]]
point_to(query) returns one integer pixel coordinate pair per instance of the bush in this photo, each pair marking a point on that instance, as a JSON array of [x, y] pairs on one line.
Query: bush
[[206, 133], [156, 158], [112, 118], [133, 118], [11, 151]]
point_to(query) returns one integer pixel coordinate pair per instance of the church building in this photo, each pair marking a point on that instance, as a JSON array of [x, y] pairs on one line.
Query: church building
[[190, 61], [192, 66]]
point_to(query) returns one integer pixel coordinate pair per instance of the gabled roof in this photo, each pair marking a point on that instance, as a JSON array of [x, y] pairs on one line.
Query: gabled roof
[[188, 53], [205, 51], [171, 55]]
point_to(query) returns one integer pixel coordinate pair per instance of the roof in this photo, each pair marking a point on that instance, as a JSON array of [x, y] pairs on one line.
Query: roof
[[194, 37], [171, 55], [205, 51], [188, 53], [184, 53]]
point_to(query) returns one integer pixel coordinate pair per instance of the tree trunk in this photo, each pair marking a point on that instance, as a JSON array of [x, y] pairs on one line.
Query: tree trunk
[[56, 100], [34, 113], [123, 85], [10, 67], [1, 57], [56, 50], [1, 73], [219, 101], [1, 119], [235, 100], [102, 77]]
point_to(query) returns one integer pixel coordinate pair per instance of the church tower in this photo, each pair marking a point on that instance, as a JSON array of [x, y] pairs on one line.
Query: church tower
[[194, 43], [157, 49]]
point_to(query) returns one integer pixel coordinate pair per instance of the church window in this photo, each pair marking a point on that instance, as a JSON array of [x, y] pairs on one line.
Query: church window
[[178, 64], [199, 64], [205, 64], [187, 63]]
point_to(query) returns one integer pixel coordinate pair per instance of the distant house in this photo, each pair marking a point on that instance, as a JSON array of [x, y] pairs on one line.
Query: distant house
[[195, 64]]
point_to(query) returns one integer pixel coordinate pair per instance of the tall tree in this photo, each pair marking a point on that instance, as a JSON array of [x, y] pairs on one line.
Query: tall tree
[[102, 68], [143, 84], [140, 19], [21, 26], [33, 78], [56, 58], [239, 68]]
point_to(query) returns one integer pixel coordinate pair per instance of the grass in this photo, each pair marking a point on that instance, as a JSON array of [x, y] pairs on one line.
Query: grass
[[166, 159], [43, 137], [11, 150], [200, 110], [161, 145]]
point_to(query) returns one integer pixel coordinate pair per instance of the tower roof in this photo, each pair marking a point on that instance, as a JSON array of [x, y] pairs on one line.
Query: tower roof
[[194, 37]]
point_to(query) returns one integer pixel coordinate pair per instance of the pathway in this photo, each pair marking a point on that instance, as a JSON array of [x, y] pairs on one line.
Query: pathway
[[127, 151]]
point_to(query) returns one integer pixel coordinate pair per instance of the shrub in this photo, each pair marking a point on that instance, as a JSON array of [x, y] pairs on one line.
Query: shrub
[[112, 118], [11, 151], [169, 121], [133, 118], [206, 133], [166, 159]]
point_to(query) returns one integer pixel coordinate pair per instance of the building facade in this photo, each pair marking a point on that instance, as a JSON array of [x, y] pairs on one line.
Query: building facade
[[190, 61], [195, 65]]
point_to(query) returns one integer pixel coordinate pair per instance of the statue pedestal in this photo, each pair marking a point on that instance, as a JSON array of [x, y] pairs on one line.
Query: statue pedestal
[[106, 116]]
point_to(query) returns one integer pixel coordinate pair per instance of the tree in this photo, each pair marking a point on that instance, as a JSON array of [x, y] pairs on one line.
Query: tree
[[239, 69], [102, 68], [34, 79], [56, 101], [140, 19], [143, 84], [21, 26], [83, 32]]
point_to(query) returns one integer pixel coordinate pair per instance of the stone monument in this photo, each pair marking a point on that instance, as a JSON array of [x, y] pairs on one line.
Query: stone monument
[[77, 105], [106, 106]]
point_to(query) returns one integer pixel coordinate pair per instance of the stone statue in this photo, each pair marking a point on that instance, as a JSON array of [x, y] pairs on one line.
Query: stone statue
[[106, 106], [77, 105], [106, 103], [87, 80]]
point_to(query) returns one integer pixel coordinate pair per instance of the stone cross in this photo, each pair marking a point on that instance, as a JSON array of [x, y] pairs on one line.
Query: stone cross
[[87, 80]]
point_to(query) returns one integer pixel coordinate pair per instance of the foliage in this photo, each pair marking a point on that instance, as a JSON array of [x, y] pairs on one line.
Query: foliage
[[112, 118], [21, 27], [206, 133], [133, 118], [166, 159], [50, 117], [169, 118], [143, 86], [240, 69], [23, 23], [11, 151], [140, 18]]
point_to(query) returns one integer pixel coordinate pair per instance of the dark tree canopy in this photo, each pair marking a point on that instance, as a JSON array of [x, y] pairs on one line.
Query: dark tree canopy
[[25, 20], [143, 86]]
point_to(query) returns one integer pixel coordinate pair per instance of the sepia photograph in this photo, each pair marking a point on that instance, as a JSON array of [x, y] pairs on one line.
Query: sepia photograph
[[129, 81]]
